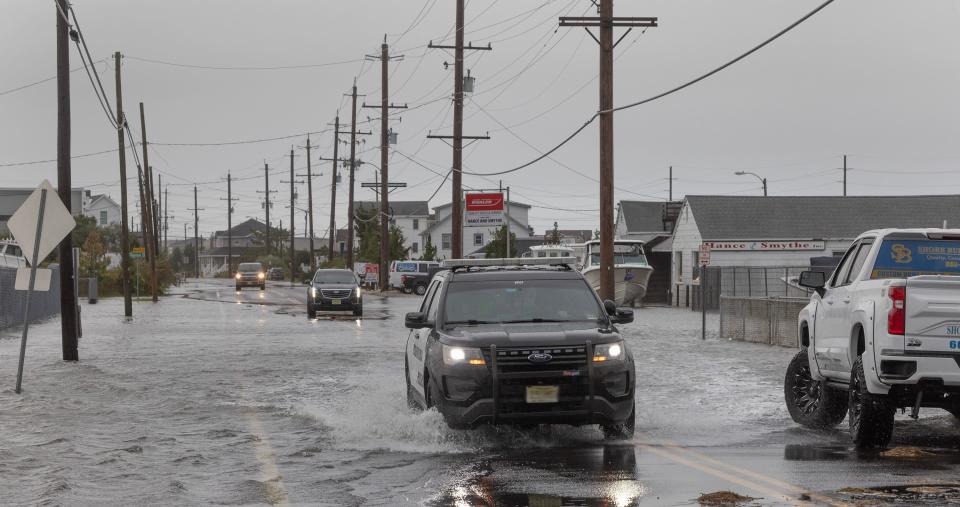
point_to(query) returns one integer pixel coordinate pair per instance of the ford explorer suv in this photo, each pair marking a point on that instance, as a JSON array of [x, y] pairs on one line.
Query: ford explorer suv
[[250, 274], [879, 334], [334, 290], [523, 342]]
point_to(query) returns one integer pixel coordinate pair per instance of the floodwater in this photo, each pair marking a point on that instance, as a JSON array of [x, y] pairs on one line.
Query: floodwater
[[219, 398]]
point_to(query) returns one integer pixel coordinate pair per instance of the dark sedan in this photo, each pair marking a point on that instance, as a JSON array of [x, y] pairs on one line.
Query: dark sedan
[[334, 290]]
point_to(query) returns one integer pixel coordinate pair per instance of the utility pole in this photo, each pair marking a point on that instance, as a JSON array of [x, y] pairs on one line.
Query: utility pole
[[68, 301], [670, 198], [353, 166], [166, 216], [333, 190], [385, 108], [293, 200], [157, 215], [308, 226], [124, 225], [458, 137], [606, 23], [266, 196], [229, 200], [149, 233], [845, 169], [196, 234]]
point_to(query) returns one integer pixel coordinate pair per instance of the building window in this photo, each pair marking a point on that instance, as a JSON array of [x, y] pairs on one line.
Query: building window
[[103, 217], [478, 239], [416, 224], [678, 265], [415, 248], [695, 265], [445, 241]]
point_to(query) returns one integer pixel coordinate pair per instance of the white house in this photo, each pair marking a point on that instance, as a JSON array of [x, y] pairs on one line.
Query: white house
[[789, 231], [412, 217], [474, 238], [101, 208]]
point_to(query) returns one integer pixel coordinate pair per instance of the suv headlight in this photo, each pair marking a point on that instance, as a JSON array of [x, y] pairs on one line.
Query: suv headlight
[[260, 275], [313, 292], [608, 352], [239, 276], [462, 355], [358, 292]]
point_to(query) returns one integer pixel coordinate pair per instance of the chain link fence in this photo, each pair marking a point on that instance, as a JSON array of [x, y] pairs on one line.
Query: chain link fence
[[42, 304], [770, 320]]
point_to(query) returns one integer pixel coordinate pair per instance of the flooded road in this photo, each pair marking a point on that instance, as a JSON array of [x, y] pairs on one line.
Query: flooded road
[[215, 397]]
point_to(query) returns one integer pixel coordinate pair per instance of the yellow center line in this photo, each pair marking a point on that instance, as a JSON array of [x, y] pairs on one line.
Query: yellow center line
[[733, 479], [275, 493]]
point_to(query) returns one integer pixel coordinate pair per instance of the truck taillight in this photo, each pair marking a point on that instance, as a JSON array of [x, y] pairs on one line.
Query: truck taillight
[[897, 318]]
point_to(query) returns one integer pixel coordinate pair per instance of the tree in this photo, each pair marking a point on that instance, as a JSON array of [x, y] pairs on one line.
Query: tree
[[85, 225], [93, 261], [555, 235], [176, 260], [498, 247], [189, 257], [429, 251], [367, 225]]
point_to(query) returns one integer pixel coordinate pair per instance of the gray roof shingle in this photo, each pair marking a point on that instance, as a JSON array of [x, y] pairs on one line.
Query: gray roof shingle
[[643, 216], [819, 217]]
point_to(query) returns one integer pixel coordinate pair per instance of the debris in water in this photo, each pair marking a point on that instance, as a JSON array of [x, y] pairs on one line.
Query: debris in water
[[723, 498], [928, 494], [905, 452]]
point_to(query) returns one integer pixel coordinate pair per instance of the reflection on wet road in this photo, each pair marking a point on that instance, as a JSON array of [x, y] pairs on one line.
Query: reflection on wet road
[[228, 398]]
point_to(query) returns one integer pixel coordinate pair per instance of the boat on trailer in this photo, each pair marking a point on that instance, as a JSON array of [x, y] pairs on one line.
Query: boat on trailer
[[631, 270]]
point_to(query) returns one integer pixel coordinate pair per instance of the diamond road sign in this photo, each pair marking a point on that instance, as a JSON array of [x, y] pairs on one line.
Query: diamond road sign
[[57, 223]]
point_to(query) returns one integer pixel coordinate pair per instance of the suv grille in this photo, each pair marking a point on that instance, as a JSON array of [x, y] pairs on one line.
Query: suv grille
[[515, 359], [336, 293]]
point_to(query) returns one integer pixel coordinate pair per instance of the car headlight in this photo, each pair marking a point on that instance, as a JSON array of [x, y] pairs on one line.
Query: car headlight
[[462, 355], [313, 292], [260, 275], [608, 352], [238, 276]]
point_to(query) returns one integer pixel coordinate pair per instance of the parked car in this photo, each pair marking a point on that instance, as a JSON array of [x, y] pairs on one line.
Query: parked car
[[334, 290], [879, 334], [496, 342], [11, 255], [275, 274], [250, 274], [400, 268], [417, 282]]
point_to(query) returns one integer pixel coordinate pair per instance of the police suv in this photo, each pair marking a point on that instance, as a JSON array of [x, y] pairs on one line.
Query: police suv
[[881, 333], [520, 341]]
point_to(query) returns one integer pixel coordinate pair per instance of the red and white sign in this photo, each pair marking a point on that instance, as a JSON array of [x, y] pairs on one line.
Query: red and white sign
[[371, 272], [763, 246], [484, 210], [704, 254]]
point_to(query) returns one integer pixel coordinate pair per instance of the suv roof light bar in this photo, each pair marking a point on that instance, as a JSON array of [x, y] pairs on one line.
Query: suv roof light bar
[[508, 262]]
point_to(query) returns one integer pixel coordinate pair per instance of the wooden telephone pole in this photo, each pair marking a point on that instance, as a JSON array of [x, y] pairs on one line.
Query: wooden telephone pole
[[385, 108], [333, 190], [293, 199], [266, 196], [353, 167], [196, 234], [68, 302], [147, 207], [606, 23], [458, 137], [124, 224], [229, 200]]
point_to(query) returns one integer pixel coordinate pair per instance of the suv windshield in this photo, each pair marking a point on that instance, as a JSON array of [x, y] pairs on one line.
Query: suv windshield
[[902, 258], [248, 267], [342, 277], [520, 301]]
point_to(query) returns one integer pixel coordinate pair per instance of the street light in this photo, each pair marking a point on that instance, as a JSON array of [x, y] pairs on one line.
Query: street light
[[762, 179]]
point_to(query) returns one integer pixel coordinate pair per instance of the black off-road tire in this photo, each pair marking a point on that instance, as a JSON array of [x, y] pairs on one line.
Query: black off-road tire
[[263, 286], [311, 311], [420, 289], [871, 415], [358, 312], [239, 288], [811, 403], [621, 431]]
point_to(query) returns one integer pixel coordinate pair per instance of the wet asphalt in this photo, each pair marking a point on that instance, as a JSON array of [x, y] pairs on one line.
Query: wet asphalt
[[215, 397]]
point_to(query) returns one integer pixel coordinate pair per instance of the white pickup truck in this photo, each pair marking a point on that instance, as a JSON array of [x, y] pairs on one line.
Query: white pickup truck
[[11, 255], [880, 333]]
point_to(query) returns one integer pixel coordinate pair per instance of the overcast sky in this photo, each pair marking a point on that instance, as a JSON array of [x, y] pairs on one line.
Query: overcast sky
[[875, 79]]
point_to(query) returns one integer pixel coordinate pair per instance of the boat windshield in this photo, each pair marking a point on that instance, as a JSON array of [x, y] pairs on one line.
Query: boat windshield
[[622, 254]]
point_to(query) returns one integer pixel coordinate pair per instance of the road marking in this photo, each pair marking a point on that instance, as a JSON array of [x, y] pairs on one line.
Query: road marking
[[275, 493], [733, 479], [759, 476]]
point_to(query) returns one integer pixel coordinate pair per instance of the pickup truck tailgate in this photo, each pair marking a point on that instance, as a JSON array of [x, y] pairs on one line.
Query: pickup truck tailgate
[[933, 313]]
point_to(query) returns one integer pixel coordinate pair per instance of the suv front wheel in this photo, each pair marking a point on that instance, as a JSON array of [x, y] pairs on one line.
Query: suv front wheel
[[811, 403], [871, 415], [621, 431]]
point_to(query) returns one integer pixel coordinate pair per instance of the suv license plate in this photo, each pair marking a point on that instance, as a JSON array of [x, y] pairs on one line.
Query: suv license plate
[[334, 301], [543, 394]]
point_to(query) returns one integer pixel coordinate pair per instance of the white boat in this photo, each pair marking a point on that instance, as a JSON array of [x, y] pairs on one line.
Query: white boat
[[631, 270], [550, 251]]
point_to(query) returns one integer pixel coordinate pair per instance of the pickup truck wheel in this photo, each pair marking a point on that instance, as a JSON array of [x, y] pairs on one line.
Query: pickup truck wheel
[[405, 290], [622, 431], [420, 289], [871, 415], [811, 403]]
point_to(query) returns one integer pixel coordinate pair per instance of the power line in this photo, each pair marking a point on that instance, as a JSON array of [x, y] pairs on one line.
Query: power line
[[244, 68], [658, 96], [35, 83]]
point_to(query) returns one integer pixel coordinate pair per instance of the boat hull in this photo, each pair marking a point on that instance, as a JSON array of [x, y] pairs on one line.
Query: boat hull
[[630, 282]]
